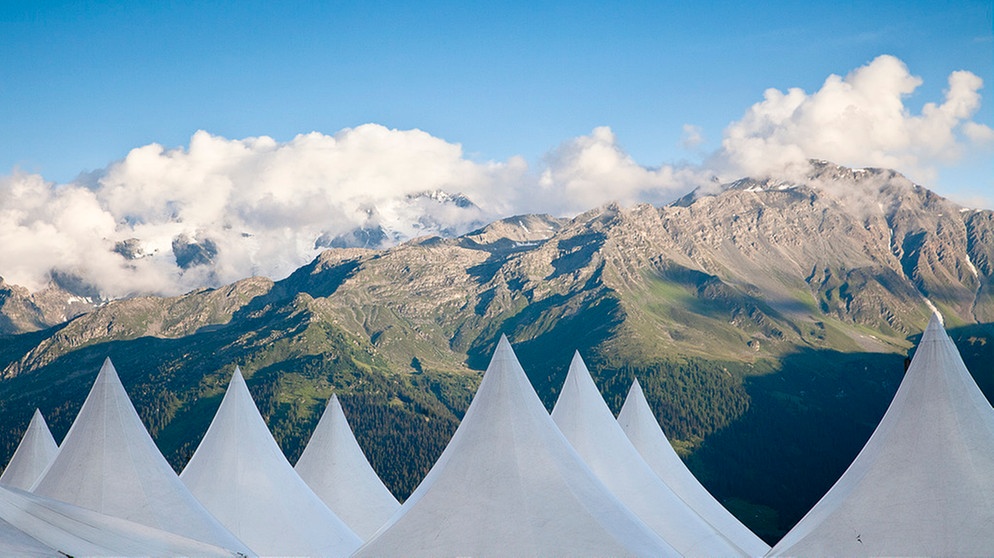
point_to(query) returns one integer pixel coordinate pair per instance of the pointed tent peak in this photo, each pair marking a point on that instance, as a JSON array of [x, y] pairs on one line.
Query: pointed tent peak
[[577, 376], [503, 368], [577, 363], [107, 372], [503, 355], [334, 408], [644, 432], [931, 455], [38, 422], [591, 428], [503, 344], [934, 332], [636, 413], [636, 396], [536, 479], [579, 393], [934, 327], [107, 386], [237, 385], [35, 451], [636, 404], [109, 463], [336, 469], [333, 412], [636, 392], [280, 516]]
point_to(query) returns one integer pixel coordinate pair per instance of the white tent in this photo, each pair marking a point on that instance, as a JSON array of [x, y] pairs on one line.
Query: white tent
[[14, 542], [508, 484], [32, 456], [586, 421], [924, 482], [108, 463], [335, 467], [242, 476], [639, 424], [32, 525]]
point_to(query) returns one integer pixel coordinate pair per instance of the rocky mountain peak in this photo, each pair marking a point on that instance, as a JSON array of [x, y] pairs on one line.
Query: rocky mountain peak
[[443, 197], [520, 228], [859, 189]]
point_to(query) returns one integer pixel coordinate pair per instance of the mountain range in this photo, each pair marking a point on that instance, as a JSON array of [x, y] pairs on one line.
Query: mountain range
[[768, 321]]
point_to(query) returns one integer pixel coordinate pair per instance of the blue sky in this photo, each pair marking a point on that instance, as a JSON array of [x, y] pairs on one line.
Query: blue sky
[[83, 83], [265, 127]]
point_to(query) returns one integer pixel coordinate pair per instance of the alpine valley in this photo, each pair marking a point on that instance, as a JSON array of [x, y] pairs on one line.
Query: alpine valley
[[768, 321]]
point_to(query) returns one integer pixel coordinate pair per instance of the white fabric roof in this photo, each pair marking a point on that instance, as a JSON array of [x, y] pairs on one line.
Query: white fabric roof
[[924, 482], [108, 463], [32, 456], [586, 421], [69, 529], [14, 542], [242, 476], [335, 467], [508, 484], [639, 424]]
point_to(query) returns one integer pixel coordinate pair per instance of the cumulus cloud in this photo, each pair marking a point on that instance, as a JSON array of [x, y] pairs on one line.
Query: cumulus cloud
[[589, 171], [169, 220], [693, 137], [978, 133], [42, 225], [858, 120], [165, 221]]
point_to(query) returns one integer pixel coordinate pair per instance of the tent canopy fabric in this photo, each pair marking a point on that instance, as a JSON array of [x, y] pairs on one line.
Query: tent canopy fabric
[[639, 424], [924, 482], [67, 529], [508, 484], [14, 542], [241, 475], [32, 456], [109, 463], [586, 421], [335, 467]]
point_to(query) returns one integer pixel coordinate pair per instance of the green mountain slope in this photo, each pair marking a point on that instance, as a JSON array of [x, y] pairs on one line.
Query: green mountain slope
[[768, 323]]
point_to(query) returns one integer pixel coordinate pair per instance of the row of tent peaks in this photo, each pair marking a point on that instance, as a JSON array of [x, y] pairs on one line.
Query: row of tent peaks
[[513, 480]]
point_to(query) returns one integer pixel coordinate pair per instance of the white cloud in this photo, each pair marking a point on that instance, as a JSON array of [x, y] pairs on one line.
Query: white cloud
[[253, 206], [693, 137], [169, 220], [231, 208], [978, 133], [589, 171], [859, 120]]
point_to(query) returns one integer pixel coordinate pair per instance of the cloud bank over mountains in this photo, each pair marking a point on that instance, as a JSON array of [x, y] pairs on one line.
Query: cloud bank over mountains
[[165, 221], [858, 120]]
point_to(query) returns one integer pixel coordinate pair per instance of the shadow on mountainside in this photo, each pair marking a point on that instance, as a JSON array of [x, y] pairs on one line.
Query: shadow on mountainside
[[805, 425], [552, 330]]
